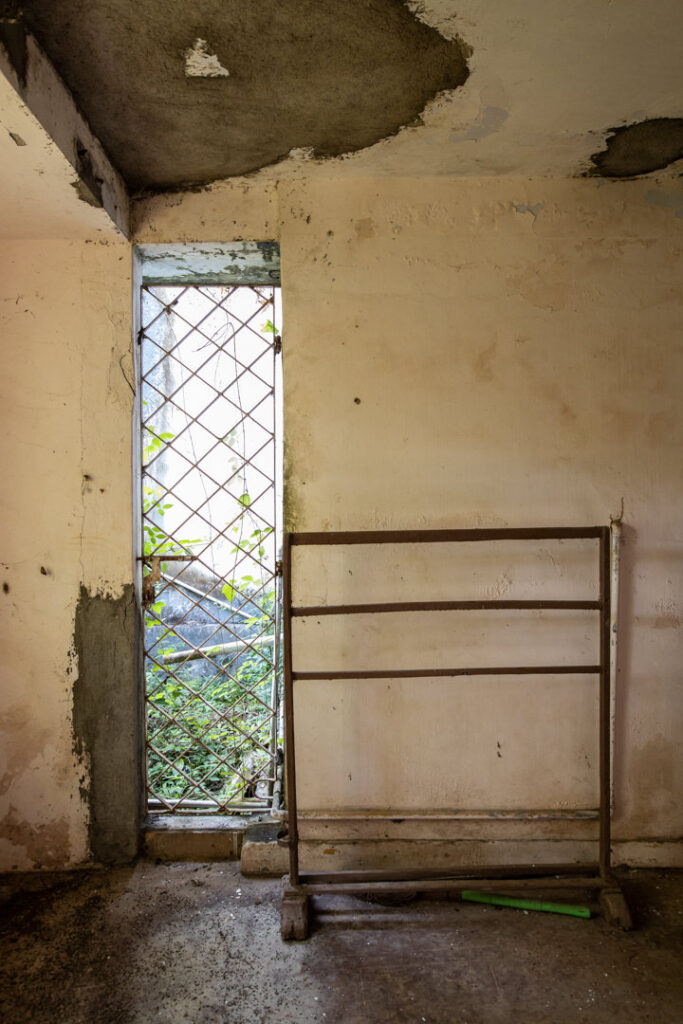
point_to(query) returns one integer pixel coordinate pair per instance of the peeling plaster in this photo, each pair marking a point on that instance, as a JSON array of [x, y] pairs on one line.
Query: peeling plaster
[[84, 193], [635, 149], [534, 209], [199, 63]]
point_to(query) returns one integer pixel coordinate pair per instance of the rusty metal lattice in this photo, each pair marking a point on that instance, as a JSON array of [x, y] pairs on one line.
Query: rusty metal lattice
[[209, 457]]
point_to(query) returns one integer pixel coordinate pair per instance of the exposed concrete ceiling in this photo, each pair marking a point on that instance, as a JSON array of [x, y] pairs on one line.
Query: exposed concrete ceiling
[[40, 195], [181, 94]]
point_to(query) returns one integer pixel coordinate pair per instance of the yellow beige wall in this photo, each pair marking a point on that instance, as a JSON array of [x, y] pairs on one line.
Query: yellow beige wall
[[464, 353], [66, 499], [515, 349]]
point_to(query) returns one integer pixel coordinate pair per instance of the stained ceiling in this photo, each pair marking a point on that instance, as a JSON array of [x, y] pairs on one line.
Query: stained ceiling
[[184, 93], [181, 94]]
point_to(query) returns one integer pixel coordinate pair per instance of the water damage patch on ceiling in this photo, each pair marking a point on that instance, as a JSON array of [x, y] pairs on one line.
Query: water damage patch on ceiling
[[318, 75], [640, 148]]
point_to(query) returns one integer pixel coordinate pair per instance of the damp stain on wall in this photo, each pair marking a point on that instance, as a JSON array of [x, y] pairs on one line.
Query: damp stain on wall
[[640, 148], [46, 845], [22, 740], [107, 721]]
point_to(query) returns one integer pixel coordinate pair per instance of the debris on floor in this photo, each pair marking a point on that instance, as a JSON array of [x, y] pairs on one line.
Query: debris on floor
[[200, 944]]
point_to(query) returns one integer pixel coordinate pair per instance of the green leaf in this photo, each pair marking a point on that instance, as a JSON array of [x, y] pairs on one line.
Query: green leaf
[[229, 592], [244, 500]]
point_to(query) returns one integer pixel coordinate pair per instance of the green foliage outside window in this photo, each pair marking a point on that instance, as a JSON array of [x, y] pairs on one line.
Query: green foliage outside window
[[214, 740]]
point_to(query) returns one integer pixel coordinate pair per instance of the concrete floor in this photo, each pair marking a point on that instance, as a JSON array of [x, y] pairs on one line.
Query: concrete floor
[[199, 943]]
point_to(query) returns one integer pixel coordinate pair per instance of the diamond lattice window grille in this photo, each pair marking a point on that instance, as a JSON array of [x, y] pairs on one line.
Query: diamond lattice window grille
[[210, 540]]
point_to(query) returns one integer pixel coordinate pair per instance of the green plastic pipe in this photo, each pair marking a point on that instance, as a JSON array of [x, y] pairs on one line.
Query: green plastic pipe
[[510, 901]]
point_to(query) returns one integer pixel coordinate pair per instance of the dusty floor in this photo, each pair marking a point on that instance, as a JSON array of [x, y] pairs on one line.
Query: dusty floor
[[197, 942]]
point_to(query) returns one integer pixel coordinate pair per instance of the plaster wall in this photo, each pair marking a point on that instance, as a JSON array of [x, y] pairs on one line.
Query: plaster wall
[[478, 353], [65, 506]]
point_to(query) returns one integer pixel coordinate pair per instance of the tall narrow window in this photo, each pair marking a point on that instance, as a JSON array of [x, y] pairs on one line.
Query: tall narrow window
[[210, 454]]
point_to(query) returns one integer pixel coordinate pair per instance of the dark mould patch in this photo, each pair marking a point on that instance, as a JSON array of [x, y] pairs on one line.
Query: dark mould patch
[[325, 78], [640, 148], [13, 39], [5, 588], [107, 721], [17, 139], [44, 571]]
